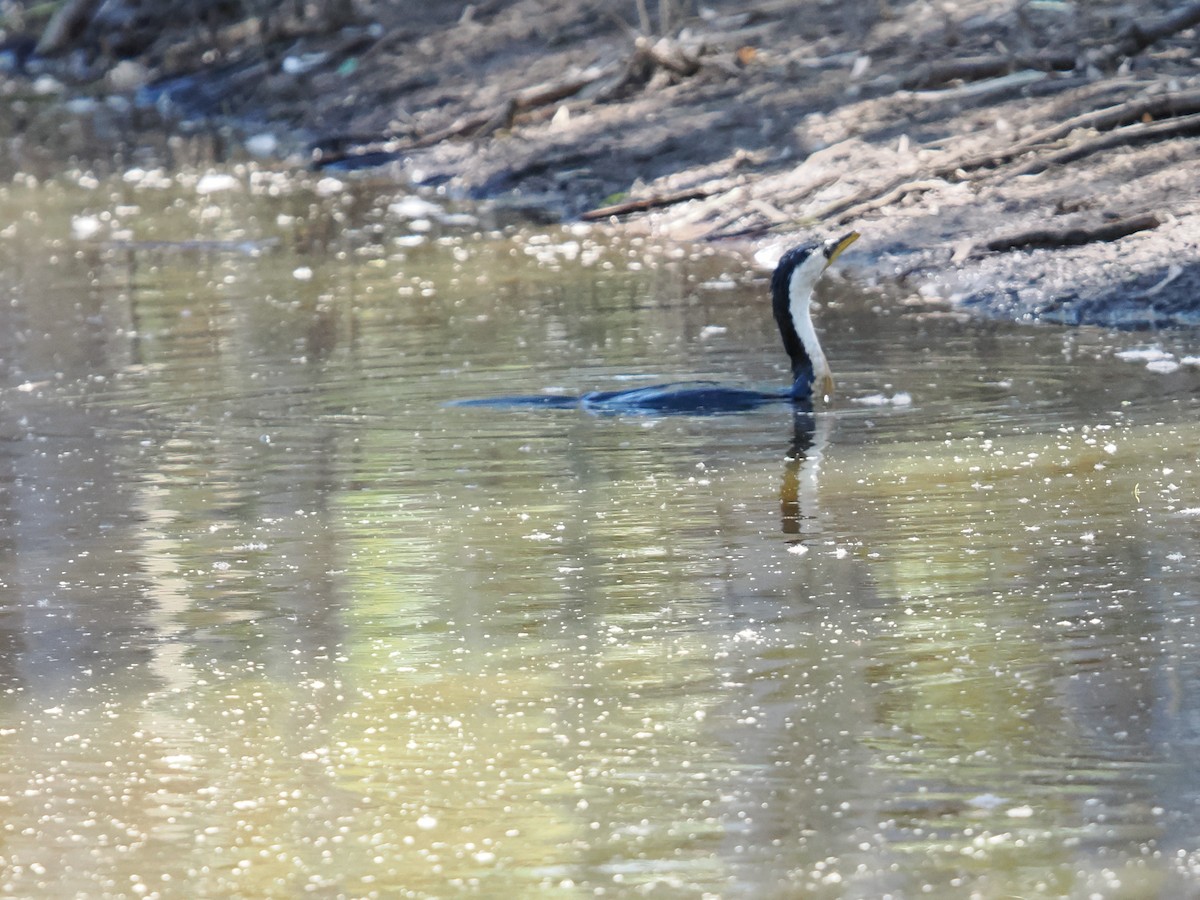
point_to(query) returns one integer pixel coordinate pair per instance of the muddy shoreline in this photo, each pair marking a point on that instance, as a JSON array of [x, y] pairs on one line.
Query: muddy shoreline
[[1027, 160]]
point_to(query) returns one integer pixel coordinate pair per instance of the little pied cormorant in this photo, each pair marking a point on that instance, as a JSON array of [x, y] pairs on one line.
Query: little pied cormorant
[[792, 285]]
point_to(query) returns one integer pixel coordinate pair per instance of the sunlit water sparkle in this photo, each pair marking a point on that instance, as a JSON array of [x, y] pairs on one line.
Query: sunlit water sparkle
[[274, 620]]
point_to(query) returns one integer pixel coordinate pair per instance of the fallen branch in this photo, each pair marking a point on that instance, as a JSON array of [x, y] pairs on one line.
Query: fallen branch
[[758, 217], [503, 115], [1141, 109], [642, 204], [1133, 39], [1136, 37], [1129, 135], [335, 148], [870, 199], [989, 88], [979, 68], [1108, 119], [1074, 237], [552, 91]]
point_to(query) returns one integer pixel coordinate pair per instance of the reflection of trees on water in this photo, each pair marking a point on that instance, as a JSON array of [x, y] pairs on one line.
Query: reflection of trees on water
[[135, 461]]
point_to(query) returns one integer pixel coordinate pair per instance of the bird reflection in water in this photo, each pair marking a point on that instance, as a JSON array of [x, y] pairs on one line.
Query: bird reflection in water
[[798, 504]]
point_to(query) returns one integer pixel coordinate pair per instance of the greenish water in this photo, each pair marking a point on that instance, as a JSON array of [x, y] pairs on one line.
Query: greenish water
[[276, 622]]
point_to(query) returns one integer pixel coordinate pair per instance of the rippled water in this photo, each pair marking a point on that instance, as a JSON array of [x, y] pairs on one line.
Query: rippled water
[[275, 621]]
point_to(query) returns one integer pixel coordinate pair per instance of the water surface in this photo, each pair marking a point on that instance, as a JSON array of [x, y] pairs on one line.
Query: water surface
[[276, 621]]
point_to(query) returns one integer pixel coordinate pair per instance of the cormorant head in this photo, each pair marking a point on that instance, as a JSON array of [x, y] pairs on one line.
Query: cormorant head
[[791, 296]]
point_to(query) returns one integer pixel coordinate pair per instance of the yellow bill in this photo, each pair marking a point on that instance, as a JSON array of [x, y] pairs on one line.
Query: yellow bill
[[838, 246]]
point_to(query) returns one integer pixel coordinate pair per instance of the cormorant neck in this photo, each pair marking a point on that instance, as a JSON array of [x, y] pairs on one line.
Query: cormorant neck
[[791, 294]]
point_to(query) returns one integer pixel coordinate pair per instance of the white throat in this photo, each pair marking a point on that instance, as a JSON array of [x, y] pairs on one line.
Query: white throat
[[800, 289]]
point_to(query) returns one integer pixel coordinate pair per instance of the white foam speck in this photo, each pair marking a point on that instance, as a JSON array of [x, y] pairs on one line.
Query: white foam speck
[[328, 186], [84, 227], [871, 400], [903, 398], [414, 208], [264, 144], [216, 181], [1163, 366], [986, 801], [1143, 354]]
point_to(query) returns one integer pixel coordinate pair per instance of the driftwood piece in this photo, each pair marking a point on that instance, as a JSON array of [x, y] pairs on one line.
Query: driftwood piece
[[1143, 108], [641, 204], [769, 216], [1126, 136], [1132, 40], [1123, 126], [1137, 36], [503, 115], [979, 68], [862, 202], [331, 148], [1074, 237], [553, 91]]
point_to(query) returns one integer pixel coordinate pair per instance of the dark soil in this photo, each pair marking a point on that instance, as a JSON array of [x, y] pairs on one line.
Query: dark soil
[[1025, 158]]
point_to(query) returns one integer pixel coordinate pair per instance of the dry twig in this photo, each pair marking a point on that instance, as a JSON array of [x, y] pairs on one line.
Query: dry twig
[[1126, 136], [1123, 126], [1074, 237], [978, 68], [657, 201], [1136, 36], [503, 115]]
